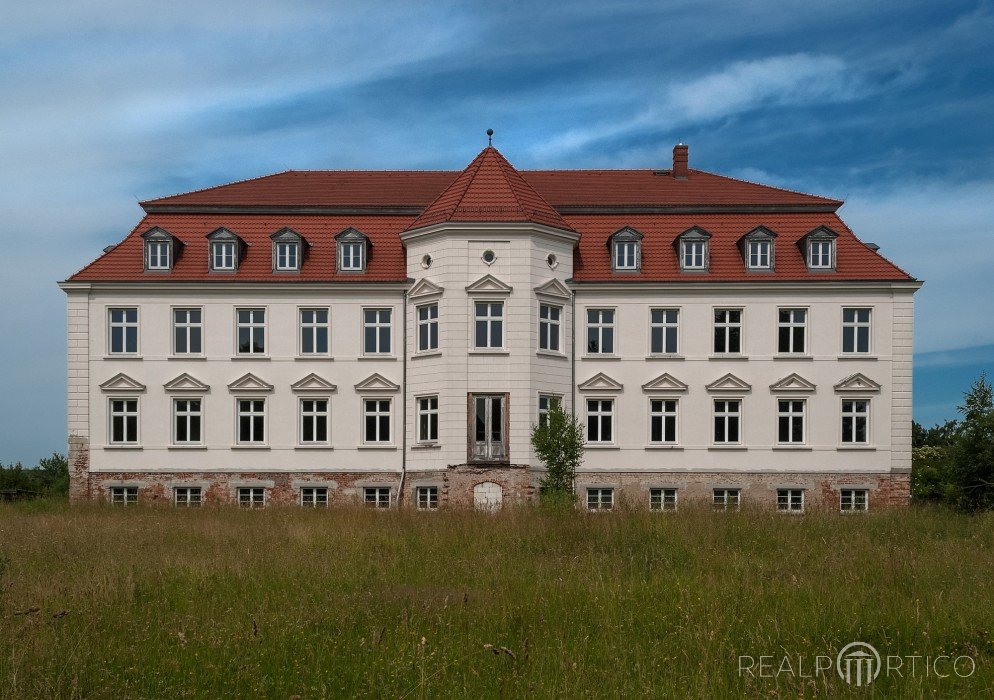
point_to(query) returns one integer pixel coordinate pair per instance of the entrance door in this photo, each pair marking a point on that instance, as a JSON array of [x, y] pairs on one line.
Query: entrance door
[[488, 439], [488, 496]]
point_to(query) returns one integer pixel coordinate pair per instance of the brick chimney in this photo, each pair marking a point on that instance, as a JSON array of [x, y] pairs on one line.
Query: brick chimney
[[680, 157]]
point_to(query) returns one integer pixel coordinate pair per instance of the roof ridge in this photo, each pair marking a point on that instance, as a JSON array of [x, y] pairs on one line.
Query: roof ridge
[[771, 187], [214, 187]]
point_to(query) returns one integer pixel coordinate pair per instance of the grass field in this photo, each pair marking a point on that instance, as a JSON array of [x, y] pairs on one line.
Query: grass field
[[100, 602]]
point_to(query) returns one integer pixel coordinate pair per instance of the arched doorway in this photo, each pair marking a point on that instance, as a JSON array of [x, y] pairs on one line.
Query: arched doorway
[[488, 496]]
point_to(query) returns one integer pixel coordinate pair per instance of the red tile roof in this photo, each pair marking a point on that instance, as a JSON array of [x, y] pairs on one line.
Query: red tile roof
[[594, 203], [490, 189]]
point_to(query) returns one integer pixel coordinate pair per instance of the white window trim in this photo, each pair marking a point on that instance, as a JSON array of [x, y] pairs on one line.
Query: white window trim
[[138, 324], [769, 254], [664, 325], [793, 324], [265, 422], [704, 255], [417, 328], [300, 421], [234, 256], [612, 414], [297, 256], [600, 500], [790, 501], [187, 503], [473, 347], [842, 327], [741, 326], [675, 414], [637, 256], [831, 254], [362, 256], [377, 506], [869, 422], [172, 330], [377, 324], [586, 331], [267, 338], [417, 497], [558, 325], [538, 405], [741, 417], [849, 511], [419, 438], [315, 504], [790, 413], [136, 443], [725, 507], [148, 255], [300, 330], [125, 489], [662, 499], [362, 422], [251, 506], [175, 415]]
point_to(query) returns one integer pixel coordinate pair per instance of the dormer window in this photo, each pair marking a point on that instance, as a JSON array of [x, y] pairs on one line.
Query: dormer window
[[288, 249], [820, 252], [158, 250], [224, 250], [353, 250], [626, 250], [757, 249], [693, 250]]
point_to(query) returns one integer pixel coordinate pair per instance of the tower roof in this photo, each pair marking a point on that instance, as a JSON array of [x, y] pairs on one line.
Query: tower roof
[[490, 189]]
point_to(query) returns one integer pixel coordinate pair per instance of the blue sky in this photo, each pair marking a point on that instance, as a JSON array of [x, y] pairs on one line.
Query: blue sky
[[885, 104]]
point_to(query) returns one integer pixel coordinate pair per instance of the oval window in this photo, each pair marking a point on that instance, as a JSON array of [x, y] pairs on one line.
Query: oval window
[[426, 261], [489, 256], [552, 261]]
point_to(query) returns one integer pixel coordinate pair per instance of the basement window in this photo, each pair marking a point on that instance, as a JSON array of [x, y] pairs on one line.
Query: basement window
[[427, 497], [790, 500], [314, 497], [124, 495], [188, 497], [600, 499], [376, 496], [251, 497], [854, 500], [725, 499], [662, 500]]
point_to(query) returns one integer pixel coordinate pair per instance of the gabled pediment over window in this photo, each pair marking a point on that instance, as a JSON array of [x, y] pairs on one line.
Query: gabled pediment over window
[[424, 288], [758, 248], [729, 383], [249, 383], [664, 383], [288, 250], [553, 289], [694, 249], [160, 249], [857, 383], [313, 382], [488, 284], [353, 250], [792, 383], [186, 382], [122, 383], [376, 382], [600, 382], [819, 249], [625, 245]]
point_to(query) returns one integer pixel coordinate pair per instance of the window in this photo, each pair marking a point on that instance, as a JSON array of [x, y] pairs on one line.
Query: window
[[251, 327], [188, 331], [428, 419], [376, 331], [790, 422], [790, 500], [855, 330], [187, 496], [159, 255], [124, 331], [662, 499], [377, 415], [792, 329], [352, 256], [821, 255], [855, 422], [314, 497], [727, 331], [600, 499], [548, 327], [626, 255], [662, 421], [188, 421], [853, 500], [124, 421], [489, 324], [600, 420], [725, 499], [314, 331], [251, 496], [287, 256], [124, 495], [427, 327], [760, 255], [223, 255], [427, 497], [545, 404], [314, 421], [727, 421], [600, 331], [489, 257], [694, 255], [251, 421], [663, 327], [376, 496]]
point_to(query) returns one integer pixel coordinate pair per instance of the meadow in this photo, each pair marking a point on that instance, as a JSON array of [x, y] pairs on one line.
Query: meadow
[[102, 602]]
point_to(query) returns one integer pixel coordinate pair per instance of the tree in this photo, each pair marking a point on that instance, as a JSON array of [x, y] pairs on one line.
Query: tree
[[973, 452], [937, 436], [558, 442]]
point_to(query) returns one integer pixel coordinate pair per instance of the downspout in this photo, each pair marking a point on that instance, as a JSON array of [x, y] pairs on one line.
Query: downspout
[[403, 428], [572, 364]]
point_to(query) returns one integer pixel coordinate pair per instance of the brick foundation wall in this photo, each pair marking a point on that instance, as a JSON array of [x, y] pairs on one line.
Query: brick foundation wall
[[79, 468]]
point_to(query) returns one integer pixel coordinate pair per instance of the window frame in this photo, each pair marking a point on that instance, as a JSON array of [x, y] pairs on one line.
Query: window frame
[[265, 421], [543, 413], [125, 414], [599, 414], [489, 320], [786, 502], [430, 500], [314, 501], [601, 326], [791, 325], [430, 323], [852, 500], [791, 414], [727, 326], [124, 325], [199, 414], [160, 244], [188, 501], [278, 254], [727, 414], [302, 414], [661, 503], [631, 251], [856, 325], [866, 415], [379, 325], [810, 257], [342, 257], [215, 245], [313, 327], [754, 257], [189, 327], [377, 502], [390, 441], [553, 327], [252, 326], [599, 504], [731, 499], [123, 495], [688, 252], [251, 502], [432, 415], [664, 325], [663, 414]]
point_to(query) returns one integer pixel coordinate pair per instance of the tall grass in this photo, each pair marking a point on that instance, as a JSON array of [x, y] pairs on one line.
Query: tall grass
[[99, 602]]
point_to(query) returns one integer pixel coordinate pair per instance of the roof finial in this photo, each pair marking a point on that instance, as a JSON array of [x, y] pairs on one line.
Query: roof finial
[[490, 137]]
